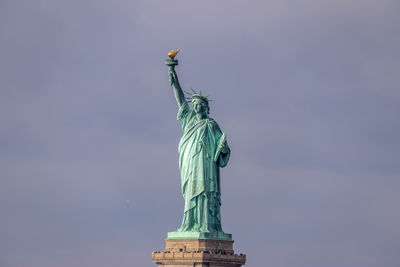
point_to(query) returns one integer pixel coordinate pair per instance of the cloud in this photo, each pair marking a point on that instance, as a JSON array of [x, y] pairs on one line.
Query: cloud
[[306, 92]]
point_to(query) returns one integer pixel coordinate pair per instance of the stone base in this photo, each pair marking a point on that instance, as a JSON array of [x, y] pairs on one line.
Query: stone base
[[198, 252], [199, 235]]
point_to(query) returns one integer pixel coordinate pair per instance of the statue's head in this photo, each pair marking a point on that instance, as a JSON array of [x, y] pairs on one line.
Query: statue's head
[[200, 104]]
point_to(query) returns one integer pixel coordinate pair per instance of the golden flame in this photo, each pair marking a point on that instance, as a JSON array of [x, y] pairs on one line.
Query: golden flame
[[173, 53]]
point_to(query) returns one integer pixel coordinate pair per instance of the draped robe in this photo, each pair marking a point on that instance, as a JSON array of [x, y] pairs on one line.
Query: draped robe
[[200, 158]]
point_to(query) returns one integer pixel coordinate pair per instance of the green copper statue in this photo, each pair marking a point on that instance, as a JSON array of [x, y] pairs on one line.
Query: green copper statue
[[202, 151]]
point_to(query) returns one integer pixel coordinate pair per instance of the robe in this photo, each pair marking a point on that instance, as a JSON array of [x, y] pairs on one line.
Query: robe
[[200, 158]]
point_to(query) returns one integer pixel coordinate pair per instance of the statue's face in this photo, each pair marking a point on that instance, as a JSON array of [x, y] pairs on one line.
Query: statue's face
[[199, 106]]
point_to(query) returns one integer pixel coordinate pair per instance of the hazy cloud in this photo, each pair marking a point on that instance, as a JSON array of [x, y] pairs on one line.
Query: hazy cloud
[[307, 93]]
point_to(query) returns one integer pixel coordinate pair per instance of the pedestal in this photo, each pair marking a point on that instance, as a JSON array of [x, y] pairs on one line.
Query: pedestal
[[200, 235], [198, 252]]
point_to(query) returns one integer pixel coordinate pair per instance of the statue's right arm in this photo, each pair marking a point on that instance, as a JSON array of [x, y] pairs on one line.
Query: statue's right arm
[[173, 79]]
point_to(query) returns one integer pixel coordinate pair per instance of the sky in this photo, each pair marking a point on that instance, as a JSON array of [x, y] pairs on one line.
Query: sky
[[307, 92]]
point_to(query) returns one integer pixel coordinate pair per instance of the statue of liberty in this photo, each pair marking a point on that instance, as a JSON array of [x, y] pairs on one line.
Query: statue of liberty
[[202, 151]]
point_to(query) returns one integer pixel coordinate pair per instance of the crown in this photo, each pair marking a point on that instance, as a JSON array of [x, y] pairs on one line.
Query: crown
[[195, 95]]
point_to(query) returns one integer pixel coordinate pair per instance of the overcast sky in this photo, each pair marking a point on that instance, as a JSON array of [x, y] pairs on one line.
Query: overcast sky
[[306, 91]]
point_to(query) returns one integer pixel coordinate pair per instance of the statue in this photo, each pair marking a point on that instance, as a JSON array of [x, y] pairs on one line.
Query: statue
[[202, 151]]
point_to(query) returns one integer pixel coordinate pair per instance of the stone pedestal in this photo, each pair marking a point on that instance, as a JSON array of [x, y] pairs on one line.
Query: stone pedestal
[[198, 252]]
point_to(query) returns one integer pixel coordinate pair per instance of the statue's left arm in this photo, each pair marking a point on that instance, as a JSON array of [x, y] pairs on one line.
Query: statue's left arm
[[223, 152]]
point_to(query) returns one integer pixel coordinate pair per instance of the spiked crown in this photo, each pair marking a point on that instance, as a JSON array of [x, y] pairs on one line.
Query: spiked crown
[[195, 95]]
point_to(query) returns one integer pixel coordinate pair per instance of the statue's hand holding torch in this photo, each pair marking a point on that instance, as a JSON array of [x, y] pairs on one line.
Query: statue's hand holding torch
[[171, 63]]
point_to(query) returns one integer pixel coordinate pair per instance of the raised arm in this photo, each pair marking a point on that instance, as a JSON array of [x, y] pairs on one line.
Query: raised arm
[[173, 80]]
